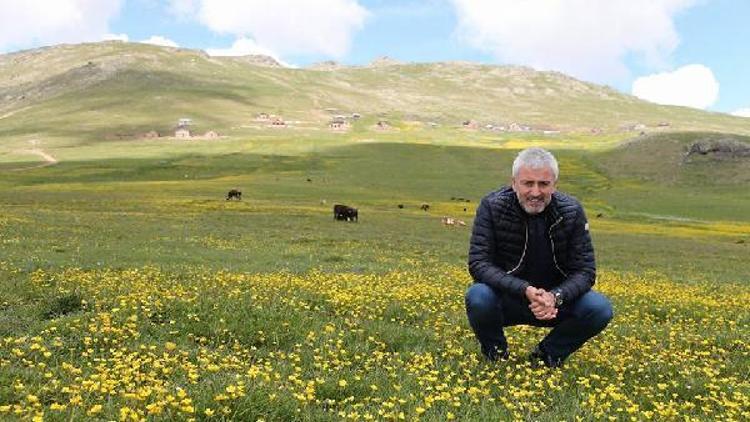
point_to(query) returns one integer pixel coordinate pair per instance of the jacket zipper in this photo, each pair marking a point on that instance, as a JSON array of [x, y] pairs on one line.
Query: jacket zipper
[[554, 258], [525, 244]]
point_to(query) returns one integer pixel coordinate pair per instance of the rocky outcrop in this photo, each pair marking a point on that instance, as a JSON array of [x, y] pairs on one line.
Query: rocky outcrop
[[719, 148]]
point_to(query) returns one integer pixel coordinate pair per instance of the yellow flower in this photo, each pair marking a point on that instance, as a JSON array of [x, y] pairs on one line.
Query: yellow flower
[[94, 409], [209, 412]]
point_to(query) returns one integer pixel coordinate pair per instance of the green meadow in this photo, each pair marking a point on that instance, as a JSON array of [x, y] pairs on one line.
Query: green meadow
[[132, 289]]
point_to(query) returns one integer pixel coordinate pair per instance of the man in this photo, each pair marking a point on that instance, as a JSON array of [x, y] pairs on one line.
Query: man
[[532, 262]]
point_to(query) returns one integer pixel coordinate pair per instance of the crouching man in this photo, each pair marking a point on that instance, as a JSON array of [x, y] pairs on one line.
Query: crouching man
[[532, 262]]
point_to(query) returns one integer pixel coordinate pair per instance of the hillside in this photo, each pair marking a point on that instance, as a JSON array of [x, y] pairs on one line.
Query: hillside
[[101, 90]]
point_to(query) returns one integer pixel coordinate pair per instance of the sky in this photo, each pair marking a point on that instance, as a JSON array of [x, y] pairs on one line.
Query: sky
[[694, 53]]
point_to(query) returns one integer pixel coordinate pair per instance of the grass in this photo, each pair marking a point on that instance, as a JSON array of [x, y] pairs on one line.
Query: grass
[[129, 288]]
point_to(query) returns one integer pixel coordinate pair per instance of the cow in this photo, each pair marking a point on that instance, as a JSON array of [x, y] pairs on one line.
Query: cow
[[345, 213], [234, 194], [424, 207], [400, 206]]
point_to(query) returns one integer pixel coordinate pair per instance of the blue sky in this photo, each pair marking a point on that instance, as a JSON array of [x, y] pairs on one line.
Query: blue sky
[[686, 52]]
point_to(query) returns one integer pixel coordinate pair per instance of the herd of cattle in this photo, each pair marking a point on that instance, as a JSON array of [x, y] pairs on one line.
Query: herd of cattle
[[346, 213]]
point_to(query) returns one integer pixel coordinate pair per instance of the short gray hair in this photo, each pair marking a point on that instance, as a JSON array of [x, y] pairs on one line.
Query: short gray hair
[[535, 158]]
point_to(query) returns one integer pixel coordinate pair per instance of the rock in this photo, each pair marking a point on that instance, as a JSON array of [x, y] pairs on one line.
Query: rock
[[720, 148]]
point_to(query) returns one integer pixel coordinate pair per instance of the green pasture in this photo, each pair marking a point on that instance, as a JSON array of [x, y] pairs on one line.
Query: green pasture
[[161, 202], [115, 219]]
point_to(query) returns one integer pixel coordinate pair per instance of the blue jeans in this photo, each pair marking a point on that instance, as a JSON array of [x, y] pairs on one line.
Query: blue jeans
[[490, 310]]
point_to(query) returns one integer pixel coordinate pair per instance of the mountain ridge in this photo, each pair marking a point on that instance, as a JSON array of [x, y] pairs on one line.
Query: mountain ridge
[[175, 82]]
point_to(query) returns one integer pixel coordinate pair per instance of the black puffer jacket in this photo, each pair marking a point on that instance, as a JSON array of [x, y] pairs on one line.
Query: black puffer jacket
[[498, 244]]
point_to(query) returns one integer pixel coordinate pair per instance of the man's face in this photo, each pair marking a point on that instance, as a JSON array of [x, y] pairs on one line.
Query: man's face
[[534, 188]]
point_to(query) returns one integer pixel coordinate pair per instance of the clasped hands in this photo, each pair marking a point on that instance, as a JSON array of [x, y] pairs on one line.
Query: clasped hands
[[541, 303]]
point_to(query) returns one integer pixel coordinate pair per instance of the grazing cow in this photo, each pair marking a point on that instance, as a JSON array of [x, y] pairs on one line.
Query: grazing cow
[[234, 194], [400, 206], [345, 213], [424, 207]]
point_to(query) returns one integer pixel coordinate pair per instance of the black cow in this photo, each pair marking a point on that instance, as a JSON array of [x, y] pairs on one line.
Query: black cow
[[424, 207], [234, 194], [345, 213]]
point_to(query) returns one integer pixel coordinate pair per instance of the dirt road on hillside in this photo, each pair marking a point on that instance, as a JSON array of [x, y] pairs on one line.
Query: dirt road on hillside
[[48, 159]]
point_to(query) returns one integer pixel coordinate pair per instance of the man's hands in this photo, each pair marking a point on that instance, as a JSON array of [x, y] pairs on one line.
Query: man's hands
[[541, 303]]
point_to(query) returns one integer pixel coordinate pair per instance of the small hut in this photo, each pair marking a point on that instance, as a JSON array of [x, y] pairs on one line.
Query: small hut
[[182, 132], [278, 122], [338, 123]]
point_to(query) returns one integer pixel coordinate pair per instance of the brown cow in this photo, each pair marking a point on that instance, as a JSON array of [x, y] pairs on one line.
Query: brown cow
[[345, 213]]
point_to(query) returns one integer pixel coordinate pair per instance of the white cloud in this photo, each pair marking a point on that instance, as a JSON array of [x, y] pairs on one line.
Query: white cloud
[[159, 40], [284, 26], [116, 37], [692, 86], [743, 112], [30, 23], [589, 39]]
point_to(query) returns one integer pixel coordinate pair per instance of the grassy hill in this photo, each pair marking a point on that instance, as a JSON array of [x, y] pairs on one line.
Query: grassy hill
[[101, 90]]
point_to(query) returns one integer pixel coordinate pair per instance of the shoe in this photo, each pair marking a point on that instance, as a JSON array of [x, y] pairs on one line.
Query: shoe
[[539, 357], [495, 353]]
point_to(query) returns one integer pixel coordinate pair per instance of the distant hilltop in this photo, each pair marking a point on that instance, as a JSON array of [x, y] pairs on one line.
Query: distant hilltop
[[383, 61], [329, 65], [257, 60]]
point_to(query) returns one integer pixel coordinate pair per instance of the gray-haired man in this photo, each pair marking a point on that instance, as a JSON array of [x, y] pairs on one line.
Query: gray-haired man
[[532, 262]]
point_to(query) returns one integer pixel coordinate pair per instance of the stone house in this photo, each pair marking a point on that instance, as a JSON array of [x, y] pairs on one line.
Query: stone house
[[338, 123], [182, 132]]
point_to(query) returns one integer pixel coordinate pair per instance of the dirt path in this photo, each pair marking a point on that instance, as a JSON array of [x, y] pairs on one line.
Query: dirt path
[[48, 159]]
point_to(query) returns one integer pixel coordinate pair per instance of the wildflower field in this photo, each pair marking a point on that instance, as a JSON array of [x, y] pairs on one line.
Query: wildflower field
[[144, 295]]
